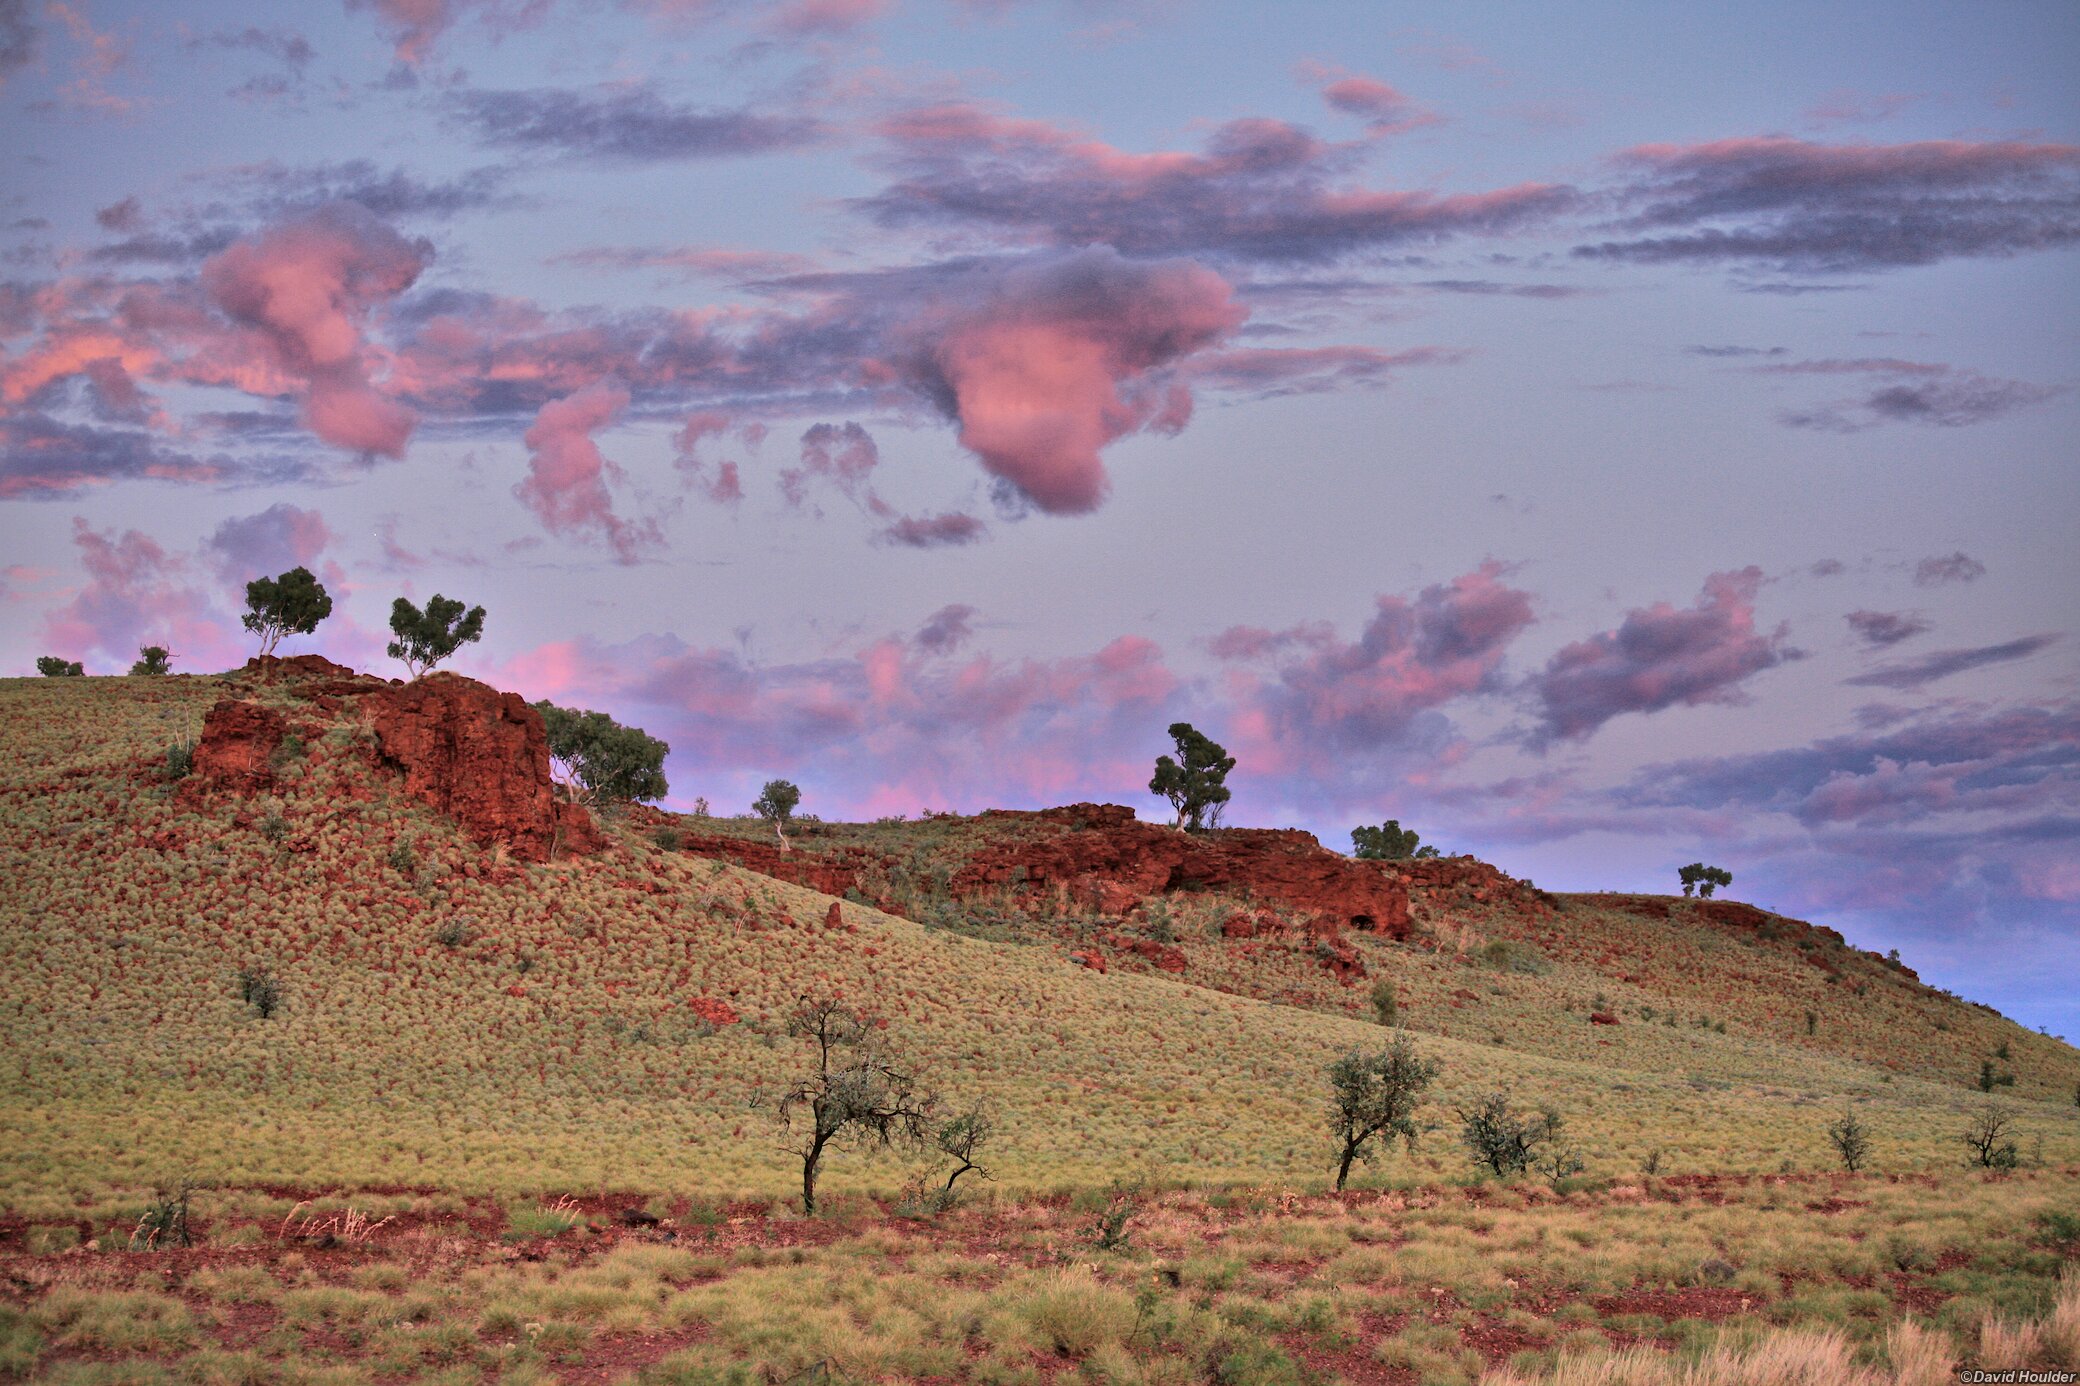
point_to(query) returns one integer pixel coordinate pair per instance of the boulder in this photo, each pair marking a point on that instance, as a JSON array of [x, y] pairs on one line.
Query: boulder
[[238, 742], [481, 757]]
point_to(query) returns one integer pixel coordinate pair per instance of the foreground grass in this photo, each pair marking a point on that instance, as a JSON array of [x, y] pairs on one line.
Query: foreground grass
[[1834, 1281]]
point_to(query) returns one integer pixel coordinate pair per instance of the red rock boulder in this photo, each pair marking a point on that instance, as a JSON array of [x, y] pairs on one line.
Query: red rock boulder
[[238, 742], [481, 757]]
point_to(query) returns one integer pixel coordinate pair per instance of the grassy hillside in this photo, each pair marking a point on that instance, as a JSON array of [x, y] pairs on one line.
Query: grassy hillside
[[452, 1019], [484, 1050]]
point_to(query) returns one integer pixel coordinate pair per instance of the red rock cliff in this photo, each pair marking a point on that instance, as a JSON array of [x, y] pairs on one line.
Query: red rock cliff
[[480, 756]]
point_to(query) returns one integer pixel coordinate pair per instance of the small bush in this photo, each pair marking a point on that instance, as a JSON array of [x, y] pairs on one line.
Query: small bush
[[180, 761], [666, 839], [1509, 955], [402, 860], [287, 752], [259, 989], [274, 827], [1851, 1138], [452, 933], [165, 1221], [1505, 1140], [1386, 1006], [1112, 1229]]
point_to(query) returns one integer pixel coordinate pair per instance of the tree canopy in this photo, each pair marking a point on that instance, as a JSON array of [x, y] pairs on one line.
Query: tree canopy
[[600, 761], [856, 1093], [776, 804], [1195, 781], [1703, 879], [152, 659], [1375, 1095], [1389, 842], [292, 604], [425, 638], [59, 667]]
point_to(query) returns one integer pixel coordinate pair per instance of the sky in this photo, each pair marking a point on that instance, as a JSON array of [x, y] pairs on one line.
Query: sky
[[1601, 437]]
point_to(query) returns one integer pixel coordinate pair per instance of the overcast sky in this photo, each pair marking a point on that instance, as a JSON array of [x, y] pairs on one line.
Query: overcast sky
[[1601, 436]]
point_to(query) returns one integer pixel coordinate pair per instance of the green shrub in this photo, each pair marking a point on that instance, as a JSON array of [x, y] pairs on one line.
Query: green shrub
[[165, 1222], [180, 761], [1386, 1006], [259, 989], [1509, 955], [1505, 1140]]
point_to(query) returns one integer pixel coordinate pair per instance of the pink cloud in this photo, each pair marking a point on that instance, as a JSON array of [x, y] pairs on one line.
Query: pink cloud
[[1384, 109], [842, 456], [723, 485], [137, 594], [802, 18], [1066, 357], [566, 483], [895, 726], [305, 288], [1660, 657]]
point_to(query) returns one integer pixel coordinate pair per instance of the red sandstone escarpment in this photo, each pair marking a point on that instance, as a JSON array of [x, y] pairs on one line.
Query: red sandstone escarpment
[[1101, 854]]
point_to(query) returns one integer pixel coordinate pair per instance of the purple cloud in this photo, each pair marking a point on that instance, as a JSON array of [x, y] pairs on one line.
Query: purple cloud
[[1885, 628], [1657, 658], [1956, 567], [1802, 207], [632, 124], [1920, 392], [279, 538], [946, 629], [1940, 664], [948, 529], [1263, 190]]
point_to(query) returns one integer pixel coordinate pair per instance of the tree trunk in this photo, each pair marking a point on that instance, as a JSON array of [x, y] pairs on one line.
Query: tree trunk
[[1343, 1168], [809, 1163], [780, 831]]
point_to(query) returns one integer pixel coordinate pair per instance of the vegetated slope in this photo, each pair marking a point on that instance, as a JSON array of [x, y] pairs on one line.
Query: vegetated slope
[[1640, 980], [450, 1015]]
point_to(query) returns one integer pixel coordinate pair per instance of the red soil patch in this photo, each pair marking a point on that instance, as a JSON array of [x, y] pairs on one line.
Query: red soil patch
[[1713, 1302], [619, 1356], [1497, 1341]]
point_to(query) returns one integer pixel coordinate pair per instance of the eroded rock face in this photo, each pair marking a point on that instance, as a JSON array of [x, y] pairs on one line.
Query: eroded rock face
[[1103, 855], [238, 744], [766, 858], [481, 757]]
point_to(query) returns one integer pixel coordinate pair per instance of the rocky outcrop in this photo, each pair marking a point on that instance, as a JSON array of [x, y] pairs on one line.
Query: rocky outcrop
[[1464, 880], [238, 743], [1110, 861], [304, 666], [766, 858], [481, 757]]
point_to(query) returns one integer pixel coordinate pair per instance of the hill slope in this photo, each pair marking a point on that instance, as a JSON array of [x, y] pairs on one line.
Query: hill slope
[[452, 1016]]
